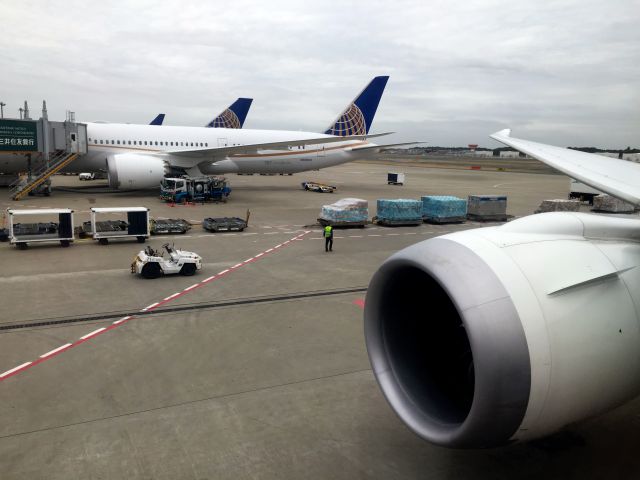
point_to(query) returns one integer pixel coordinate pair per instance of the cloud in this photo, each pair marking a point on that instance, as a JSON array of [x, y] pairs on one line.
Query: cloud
[[561, 71]]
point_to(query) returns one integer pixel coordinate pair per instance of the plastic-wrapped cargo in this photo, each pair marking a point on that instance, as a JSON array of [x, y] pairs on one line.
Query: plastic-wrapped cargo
[[607, 203], [401, 209], [346, 210], [487, 207], [441, 207], [559, 205]]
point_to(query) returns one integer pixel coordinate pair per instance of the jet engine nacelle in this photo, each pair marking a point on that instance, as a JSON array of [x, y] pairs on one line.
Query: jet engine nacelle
[[132, 171], [488, 336]]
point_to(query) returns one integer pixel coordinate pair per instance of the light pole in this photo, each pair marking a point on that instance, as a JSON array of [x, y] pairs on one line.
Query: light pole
[[21, 110], [2, 105]]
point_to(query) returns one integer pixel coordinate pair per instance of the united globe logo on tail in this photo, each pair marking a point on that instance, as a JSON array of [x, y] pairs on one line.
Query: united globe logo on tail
[[357, 117], [226, 119], [351, 122], [234, 116]]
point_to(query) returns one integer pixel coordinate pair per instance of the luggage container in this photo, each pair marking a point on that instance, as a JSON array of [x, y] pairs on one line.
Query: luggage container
[[20, 234], [395, 178], [487, 208], [136, 226]]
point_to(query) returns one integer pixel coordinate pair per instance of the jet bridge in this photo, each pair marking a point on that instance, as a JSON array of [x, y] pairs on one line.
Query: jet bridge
[[48, 147]]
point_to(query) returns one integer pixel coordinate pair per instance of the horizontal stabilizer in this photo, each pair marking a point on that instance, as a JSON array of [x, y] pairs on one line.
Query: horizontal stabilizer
[[618, 178]]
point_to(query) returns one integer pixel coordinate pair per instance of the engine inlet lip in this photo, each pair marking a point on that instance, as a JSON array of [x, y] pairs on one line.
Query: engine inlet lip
[[494, 330]]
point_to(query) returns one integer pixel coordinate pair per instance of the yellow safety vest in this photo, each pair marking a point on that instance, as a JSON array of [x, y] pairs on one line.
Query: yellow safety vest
[[328, 230]]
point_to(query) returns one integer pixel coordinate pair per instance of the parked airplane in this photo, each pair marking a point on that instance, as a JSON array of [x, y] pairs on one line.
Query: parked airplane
[[494, 335], [139, 156], [232, 117]]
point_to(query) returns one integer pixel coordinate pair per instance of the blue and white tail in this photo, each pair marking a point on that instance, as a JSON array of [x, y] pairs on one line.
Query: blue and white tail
[[232, 117], [357, 117], [158, 120]]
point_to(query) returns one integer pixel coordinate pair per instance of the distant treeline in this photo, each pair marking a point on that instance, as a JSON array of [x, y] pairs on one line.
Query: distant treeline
[[496, 151], [608, 150]]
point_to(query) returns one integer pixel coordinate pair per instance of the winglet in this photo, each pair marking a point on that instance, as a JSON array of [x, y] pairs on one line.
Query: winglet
[[358, 116], [502, 133], [158, 120], [234, 116]]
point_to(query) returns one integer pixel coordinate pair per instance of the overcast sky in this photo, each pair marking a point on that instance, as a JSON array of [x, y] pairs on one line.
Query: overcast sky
[[563, 72]]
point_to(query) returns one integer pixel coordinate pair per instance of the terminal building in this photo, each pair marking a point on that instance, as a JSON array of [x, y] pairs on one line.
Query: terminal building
[[31, 151]]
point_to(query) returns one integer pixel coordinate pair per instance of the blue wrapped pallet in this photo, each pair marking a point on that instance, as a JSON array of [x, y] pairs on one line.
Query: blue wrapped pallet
[[443, 209], [399, 211], [345, 211]]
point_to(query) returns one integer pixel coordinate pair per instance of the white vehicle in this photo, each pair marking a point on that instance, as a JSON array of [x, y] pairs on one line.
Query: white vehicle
[[151, 263], [582, 192], [528, 327], [86, 176]]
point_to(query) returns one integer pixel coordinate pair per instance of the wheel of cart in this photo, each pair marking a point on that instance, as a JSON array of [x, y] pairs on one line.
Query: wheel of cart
[[141, 239], [103, 241], [65, 243], [21, 245]]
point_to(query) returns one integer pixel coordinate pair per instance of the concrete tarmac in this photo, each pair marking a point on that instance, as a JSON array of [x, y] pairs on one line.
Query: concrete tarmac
[[258, 372]]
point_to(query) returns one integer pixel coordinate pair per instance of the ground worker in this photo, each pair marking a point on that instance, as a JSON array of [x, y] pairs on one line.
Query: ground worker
[[328, 238]]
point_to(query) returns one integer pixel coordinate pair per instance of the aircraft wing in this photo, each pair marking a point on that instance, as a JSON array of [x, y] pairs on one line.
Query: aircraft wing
[[618, 178], [195, 156]]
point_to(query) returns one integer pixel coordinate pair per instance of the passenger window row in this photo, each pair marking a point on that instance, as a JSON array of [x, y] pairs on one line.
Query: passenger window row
[[147, 142]]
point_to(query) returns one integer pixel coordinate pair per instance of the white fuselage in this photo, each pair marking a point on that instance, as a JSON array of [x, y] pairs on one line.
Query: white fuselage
[[106, 139]]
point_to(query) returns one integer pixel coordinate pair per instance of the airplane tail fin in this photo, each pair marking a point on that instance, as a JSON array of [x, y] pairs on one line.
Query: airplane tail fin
[[357, 117], [232, 117], [158, 120]]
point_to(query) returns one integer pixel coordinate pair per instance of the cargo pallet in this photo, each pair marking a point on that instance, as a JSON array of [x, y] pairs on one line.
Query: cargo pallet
[[218, 224], [487, 218], [444, 220], [386, 222], [170, 225], [324, 222]]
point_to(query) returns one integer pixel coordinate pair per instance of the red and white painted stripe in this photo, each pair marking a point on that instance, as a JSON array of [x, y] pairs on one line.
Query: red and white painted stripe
[[57, 351]]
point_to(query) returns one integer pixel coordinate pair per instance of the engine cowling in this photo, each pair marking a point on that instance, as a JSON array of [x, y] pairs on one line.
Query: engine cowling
[[521, 329], [132, 171]]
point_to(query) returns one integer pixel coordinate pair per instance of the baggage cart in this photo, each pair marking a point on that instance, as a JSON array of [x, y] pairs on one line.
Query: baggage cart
[[136, 226], [20, 234], [395, 178]]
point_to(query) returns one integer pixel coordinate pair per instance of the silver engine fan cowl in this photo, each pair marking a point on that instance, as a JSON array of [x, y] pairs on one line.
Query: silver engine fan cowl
[[447, 346], [133, 171]]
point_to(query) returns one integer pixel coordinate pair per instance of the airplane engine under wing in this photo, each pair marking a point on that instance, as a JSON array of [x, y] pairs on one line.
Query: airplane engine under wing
[[489, 336], [132, 171]]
